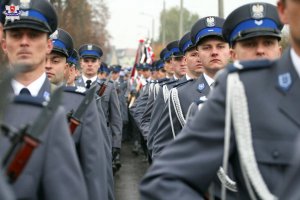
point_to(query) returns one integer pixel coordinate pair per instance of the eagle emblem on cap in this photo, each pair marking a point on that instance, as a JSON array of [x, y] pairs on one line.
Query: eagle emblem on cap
[[54, 35], [210, 22], [89, 47], [257, 11], [25, 4]]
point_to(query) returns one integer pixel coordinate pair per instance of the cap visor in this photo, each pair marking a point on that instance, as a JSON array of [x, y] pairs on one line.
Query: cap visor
[[89, 56], [210, 35], [60, 51], [259, 34], [35, 25]]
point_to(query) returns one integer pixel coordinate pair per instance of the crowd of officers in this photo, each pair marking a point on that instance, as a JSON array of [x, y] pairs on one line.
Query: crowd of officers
[[224, 123], [215, 115]]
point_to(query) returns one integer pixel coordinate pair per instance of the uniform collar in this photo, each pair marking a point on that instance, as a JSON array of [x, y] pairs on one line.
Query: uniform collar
[[187, 77], [93, 79], [209, 80], [175, 77], [34, 87], [296, 61]]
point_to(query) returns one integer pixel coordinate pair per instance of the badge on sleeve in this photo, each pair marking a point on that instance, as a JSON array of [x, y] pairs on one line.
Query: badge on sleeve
[[46, 96], [285, 81]]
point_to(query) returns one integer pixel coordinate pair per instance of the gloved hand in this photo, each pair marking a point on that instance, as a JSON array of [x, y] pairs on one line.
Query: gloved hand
[[115, 153], [116, 162]]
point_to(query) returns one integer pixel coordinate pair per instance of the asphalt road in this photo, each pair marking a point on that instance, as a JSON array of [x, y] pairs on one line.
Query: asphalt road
[[128, 178]]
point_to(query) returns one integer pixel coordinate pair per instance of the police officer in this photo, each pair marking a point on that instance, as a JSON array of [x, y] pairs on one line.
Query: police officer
[[161, 78], [73, 61], [160, 101], [161, 72], [210, 46], [176, 61], [90, 55], [165, 55], [103, 71], [269, 88], [90, 61], [89, 137], [57, 68], [54, 161], [121, 87]]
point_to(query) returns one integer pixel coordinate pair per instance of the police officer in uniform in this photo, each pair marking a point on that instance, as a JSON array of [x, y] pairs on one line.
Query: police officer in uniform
[[54, 161], [121, 87], [205, 34], [165, 55], [260, 101], [90, 61], [146, 117], [103, 71], [108, 104], [73, 61], [89, 137], [160, 101]]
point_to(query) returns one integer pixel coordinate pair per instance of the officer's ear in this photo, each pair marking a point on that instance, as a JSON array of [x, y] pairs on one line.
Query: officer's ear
[[282, 12], [233, 54], [3, 44], [1, 32], [49, 46]]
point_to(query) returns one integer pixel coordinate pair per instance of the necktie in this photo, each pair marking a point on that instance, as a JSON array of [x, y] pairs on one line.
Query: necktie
[[25, 91], [88, 84]]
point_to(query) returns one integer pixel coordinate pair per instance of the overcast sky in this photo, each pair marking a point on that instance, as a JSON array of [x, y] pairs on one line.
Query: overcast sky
[[128, 24]]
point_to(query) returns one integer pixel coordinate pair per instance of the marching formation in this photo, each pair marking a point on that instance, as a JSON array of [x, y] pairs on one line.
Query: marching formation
[[215, 116]]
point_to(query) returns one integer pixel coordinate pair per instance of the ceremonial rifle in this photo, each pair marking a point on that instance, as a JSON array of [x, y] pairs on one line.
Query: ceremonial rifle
[[75, 118], [104, 85]]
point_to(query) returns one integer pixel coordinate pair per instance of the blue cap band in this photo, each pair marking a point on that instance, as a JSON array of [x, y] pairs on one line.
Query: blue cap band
[[175, 50], [250, 24], [160, 65], [1, 11], [72, 60], [90, 53], [187, 45], [208, 31], [35, 14], [59, 44], [167, 55]]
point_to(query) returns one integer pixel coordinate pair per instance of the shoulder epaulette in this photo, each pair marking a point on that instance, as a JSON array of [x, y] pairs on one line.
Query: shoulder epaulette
[[162, 80], [76, 89], [170, 82], [181, 83], [103, 80], [30, 100], [200, 100], [99, 81], [249, 65]]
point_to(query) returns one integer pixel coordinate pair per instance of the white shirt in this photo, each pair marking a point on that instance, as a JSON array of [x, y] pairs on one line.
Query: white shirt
[[93, 79], [295, 61], [187, 77], [210, 81], [34, 87]]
